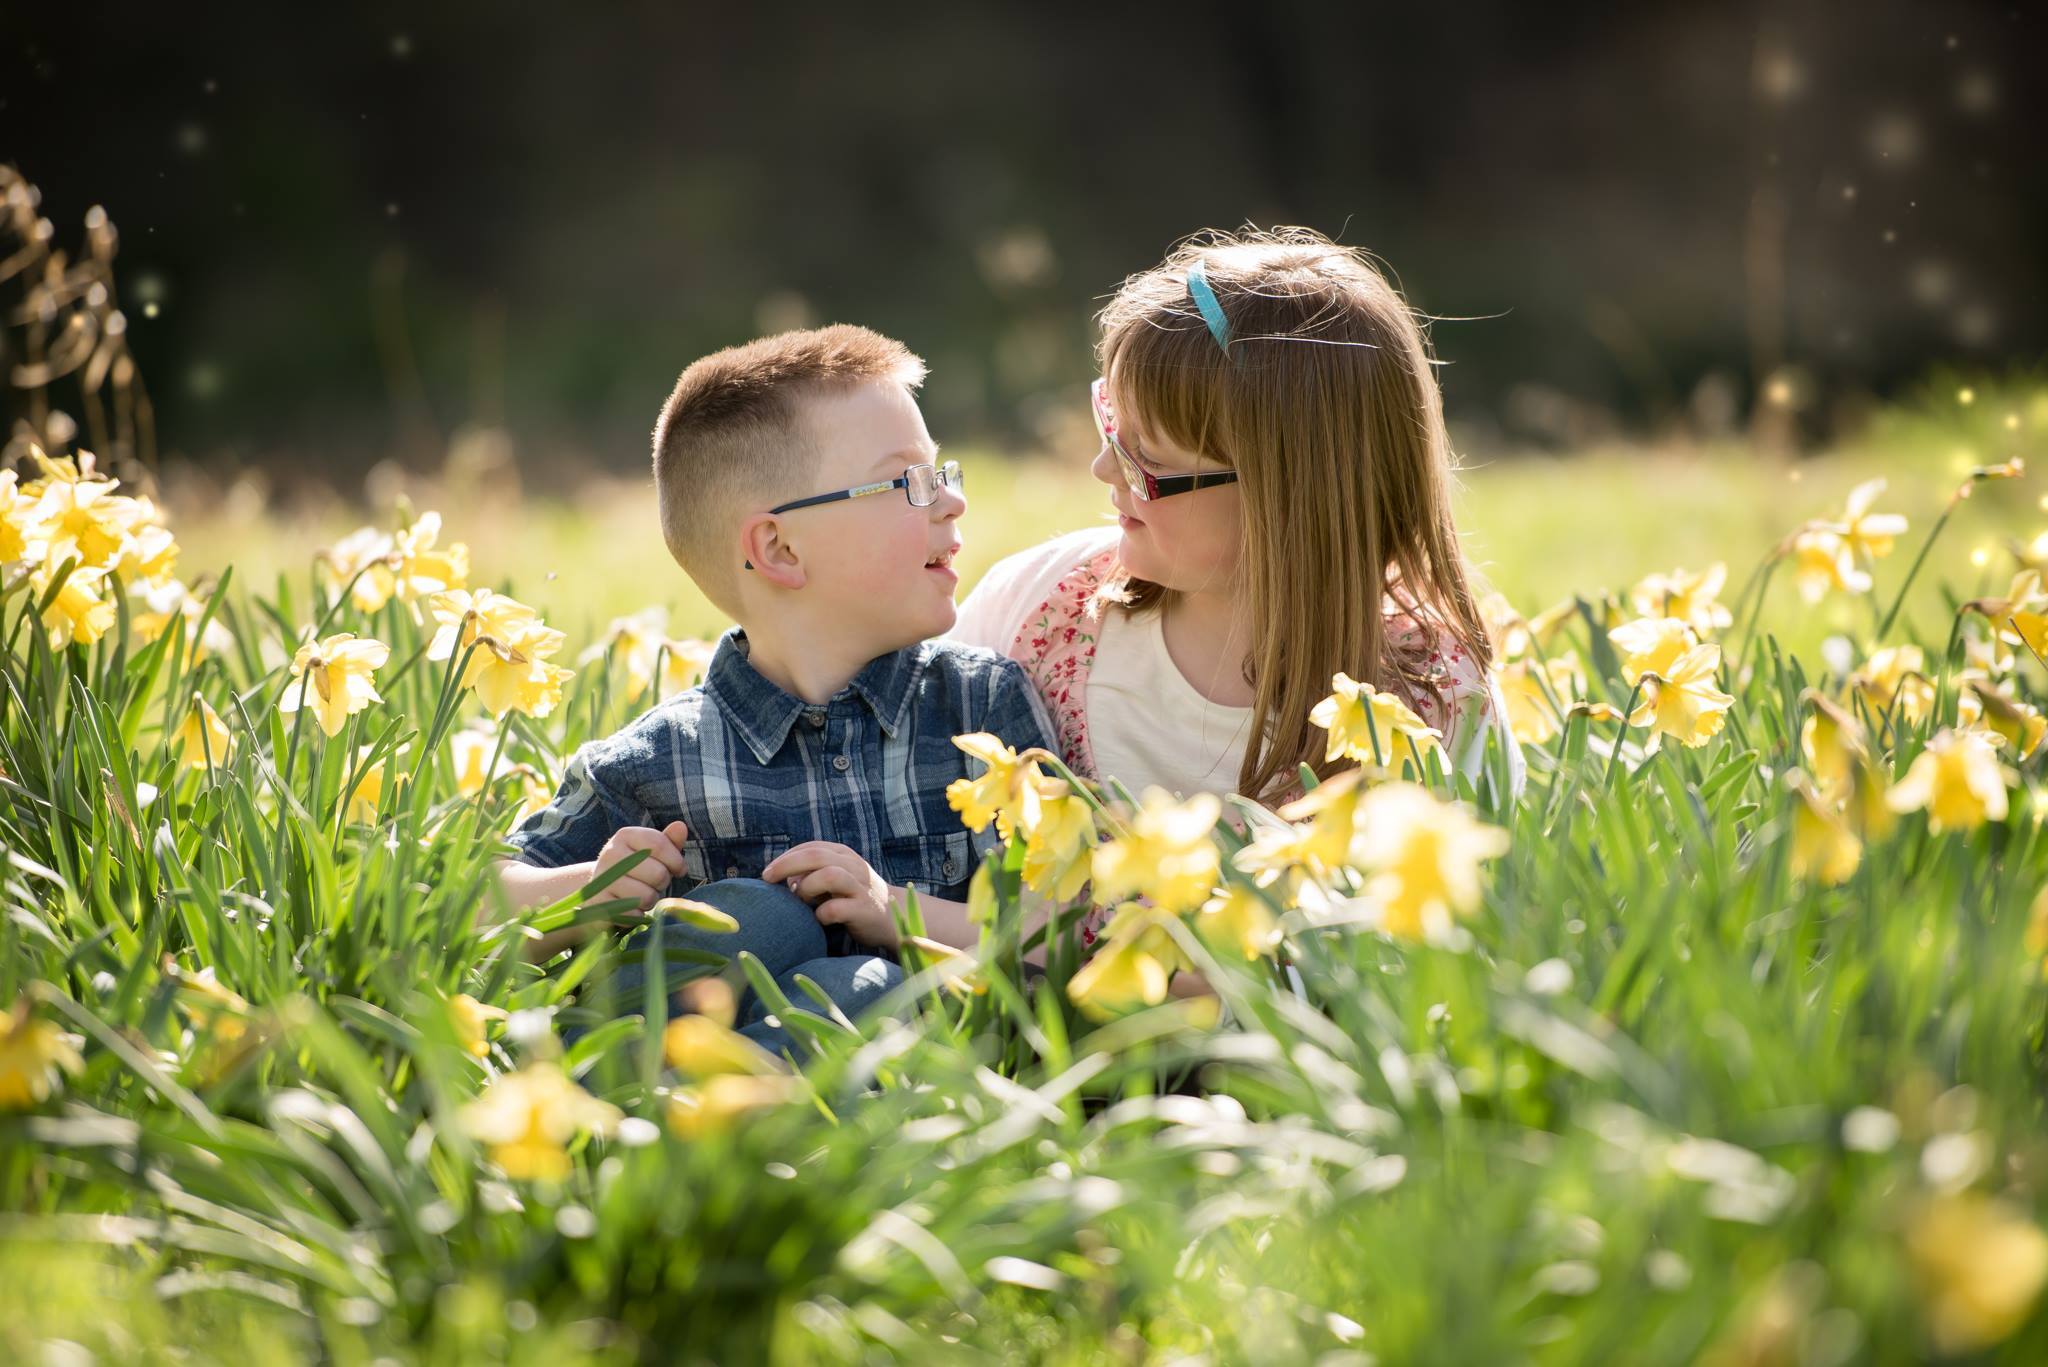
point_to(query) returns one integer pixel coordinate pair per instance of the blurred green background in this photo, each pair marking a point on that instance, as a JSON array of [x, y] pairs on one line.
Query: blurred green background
[[350, 232]]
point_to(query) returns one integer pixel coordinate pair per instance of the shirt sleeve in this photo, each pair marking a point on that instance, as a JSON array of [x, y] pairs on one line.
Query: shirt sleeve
[[589, 806]]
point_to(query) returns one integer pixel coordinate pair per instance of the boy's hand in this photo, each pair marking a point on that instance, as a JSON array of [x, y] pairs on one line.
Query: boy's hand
[[841, 887], [646, 882]]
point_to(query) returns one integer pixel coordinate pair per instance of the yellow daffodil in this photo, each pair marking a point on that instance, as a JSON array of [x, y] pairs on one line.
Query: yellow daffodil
[[1424, 857], [1058, 846], [2031, 628], [1867, 534], [1132, 966], [1534, 712], [1167, 855], [34, 1056], [1239, 921], [526, 1121], [1001, 793], [1545, 625], [1897, 675], [203, 738], [1983, 706], [1832, 744], [1989, 654], [23, 533], [1321, 826], [1683, 703], [471, 1020], [472, 747], [1824, 562], [81, 612], [153, 606], [222, 1021], [698, 1046], [1840, 770], [1979, 1265], [84, 519], [333, 677], [1356, 712], [2016, 468], [535, 788], [1692, 598], [361, 562], [421, 567], [1957, 780], [1824, 849], [1504, 627], [148, 551], [713, 1107], [369, 791], [1649, 645], [509, 666], [651, 659]]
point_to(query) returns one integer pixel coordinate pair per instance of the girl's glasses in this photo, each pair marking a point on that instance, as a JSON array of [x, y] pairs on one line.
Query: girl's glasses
[[1140, 481], [920, 484]]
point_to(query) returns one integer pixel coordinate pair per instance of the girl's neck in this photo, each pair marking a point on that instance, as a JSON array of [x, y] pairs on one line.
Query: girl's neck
[[1207, 638]]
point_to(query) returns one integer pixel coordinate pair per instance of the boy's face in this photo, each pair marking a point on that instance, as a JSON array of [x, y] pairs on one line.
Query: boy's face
[[876, 568]]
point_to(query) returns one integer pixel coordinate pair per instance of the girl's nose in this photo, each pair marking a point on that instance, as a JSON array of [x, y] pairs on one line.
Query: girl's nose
[[1104, 468]]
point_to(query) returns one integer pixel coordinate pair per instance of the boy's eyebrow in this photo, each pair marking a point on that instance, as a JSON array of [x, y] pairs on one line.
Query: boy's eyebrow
[[909, 455]]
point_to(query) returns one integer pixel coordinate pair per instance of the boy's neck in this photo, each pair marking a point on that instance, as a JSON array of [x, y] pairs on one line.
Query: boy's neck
[[806, 665]]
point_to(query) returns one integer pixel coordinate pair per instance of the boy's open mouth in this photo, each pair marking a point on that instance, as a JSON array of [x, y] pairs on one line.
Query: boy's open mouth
[[943, 560]]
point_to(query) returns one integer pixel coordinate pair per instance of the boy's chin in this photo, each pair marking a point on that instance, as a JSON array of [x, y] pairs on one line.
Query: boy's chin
[[913, 622]]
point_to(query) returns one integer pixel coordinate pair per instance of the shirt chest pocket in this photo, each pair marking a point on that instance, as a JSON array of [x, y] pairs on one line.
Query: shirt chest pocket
[[708, 861], [935, 864]]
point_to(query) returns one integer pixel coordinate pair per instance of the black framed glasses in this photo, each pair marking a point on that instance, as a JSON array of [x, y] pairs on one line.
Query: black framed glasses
[[920, 484], [1140, 481]]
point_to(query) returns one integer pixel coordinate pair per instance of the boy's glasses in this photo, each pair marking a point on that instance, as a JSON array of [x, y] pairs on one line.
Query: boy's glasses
[[920, 484], [1140, 481]]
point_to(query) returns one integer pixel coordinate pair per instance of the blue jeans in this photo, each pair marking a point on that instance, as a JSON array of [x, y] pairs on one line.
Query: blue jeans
[[782, 931]]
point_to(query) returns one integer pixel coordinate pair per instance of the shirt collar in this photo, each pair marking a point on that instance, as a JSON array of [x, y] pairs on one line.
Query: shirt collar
[[764, 713]]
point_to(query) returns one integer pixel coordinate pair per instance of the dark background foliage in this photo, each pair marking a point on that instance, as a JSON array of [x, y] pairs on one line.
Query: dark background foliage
[[361, 225]]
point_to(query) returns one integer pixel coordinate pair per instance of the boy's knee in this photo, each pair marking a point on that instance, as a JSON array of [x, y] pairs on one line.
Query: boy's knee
[[773, 921]]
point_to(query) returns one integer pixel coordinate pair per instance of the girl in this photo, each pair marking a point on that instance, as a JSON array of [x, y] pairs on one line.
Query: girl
[[1274, 446]]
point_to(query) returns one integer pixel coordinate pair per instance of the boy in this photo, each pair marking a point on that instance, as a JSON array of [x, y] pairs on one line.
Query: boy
[[801, 787]]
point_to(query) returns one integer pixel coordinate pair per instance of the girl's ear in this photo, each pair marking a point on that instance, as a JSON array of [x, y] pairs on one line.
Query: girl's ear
[[765, 554]]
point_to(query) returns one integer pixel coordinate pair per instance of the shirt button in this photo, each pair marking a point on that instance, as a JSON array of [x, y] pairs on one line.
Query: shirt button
[[950, 868], [732, 870], [814, 717], [841, 763]]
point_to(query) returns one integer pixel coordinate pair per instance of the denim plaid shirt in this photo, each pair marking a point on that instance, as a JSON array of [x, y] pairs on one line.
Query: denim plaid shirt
[[753, 770]]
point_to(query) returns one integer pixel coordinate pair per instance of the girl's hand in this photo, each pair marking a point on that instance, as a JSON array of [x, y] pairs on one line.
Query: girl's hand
[[841, 887]]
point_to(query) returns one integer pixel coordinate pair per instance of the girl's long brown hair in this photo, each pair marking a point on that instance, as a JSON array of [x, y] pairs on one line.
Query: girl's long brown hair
[[1327, 407]]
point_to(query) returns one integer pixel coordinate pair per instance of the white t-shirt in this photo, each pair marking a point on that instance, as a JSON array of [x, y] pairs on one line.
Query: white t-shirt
[[1147, 725]]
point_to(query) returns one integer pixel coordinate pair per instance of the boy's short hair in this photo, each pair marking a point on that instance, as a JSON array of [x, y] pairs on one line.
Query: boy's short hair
[[731, 436]]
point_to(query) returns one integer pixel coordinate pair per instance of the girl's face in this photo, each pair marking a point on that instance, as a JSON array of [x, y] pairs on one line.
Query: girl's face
[[1188, 542]]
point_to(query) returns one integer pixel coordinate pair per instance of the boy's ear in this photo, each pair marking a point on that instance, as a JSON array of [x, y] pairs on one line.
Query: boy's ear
[[766, 555]]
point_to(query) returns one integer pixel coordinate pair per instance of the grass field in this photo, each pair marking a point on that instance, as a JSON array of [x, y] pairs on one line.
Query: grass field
[[1724, 1044], [1538, 528]]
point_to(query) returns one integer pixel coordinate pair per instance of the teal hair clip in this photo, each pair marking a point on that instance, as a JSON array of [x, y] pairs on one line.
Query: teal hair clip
[[1206, 305]]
